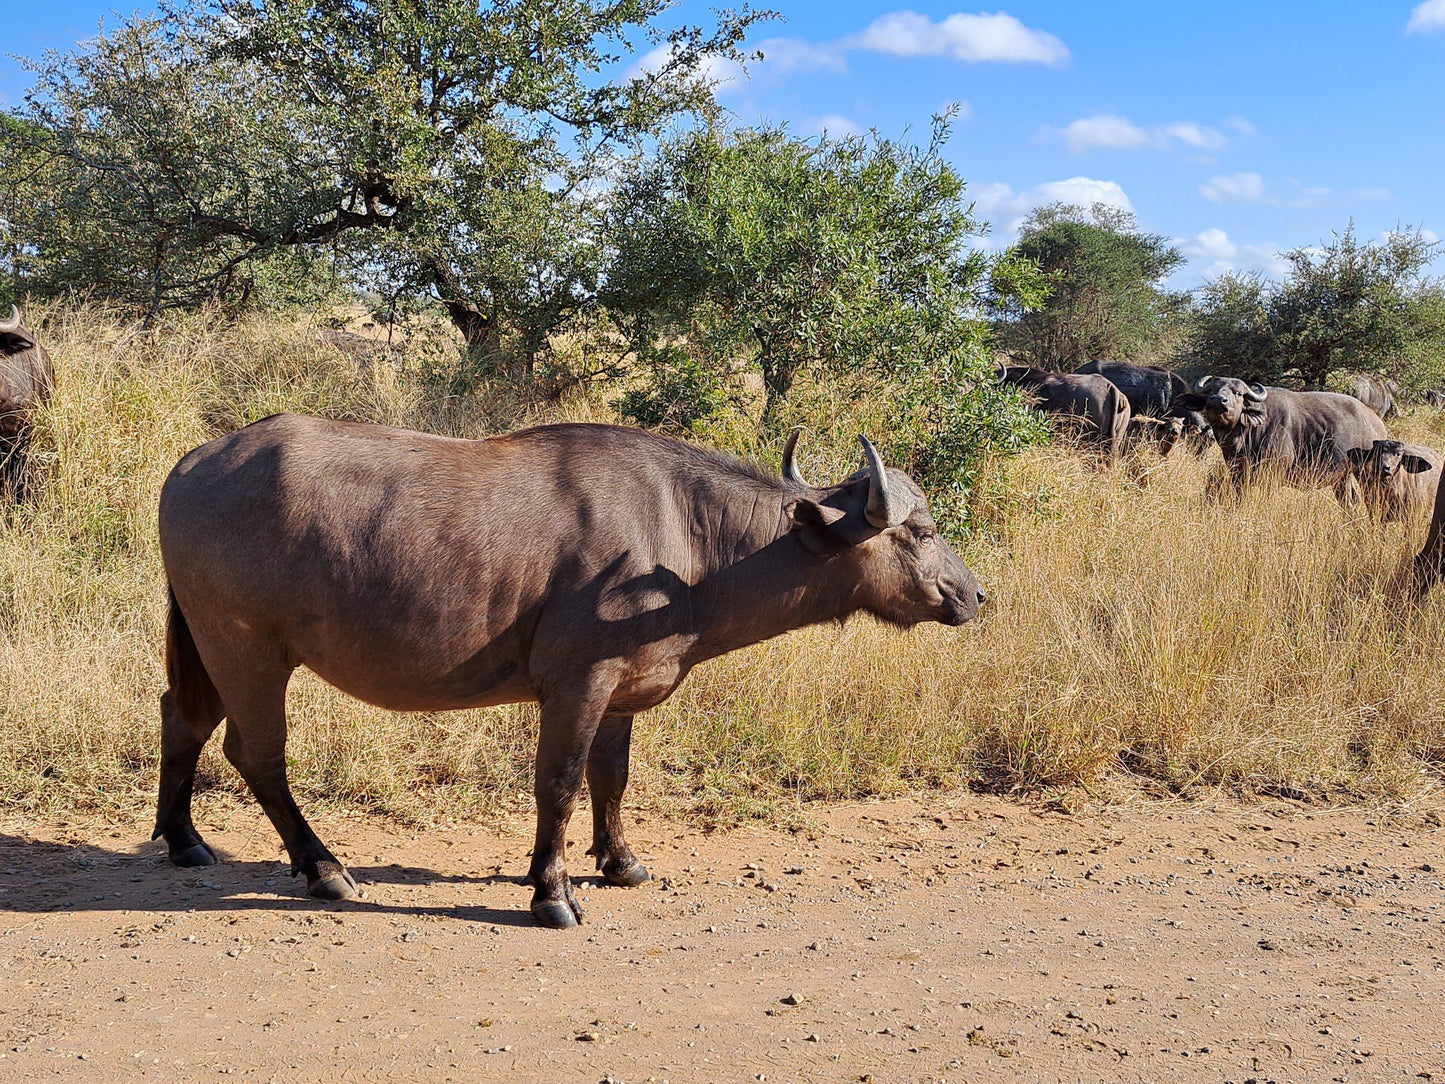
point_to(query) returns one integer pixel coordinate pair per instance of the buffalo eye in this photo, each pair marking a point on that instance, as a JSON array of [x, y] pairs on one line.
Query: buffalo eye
[[925, 537]]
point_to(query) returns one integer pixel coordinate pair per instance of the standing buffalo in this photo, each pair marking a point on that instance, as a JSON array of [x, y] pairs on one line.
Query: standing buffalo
[[26, 381], [1101, 407], [1304, 437], [1148, 388], [1376, 392], [1397, 479], [584, 567]]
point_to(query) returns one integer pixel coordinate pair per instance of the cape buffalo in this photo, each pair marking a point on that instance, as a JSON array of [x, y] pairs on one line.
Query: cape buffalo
[[584, 567], [1304, 437], [1101, 407], [26, 381], [1376, 392], [1148, 388], [1397, 479]]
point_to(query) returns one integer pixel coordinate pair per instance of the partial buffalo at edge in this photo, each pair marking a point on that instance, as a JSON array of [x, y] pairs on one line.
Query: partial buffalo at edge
[[26, 381]]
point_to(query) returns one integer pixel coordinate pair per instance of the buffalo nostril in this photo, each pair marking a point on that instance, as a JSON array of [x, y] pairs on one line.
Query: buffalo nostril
[[982, 598]]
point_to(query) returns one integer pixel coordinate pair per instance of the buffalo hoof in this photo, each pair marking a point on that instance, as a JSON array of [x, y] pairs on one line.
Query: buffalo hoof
[[554, 914], [628, 876], [197, 854], [333, 886]]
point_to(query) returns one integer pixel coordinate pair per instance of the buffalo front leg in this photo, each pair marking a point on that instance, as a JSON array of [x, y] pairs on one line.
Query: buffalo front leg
[[607, 779], [182, 740], [256, 744], [563, 746]]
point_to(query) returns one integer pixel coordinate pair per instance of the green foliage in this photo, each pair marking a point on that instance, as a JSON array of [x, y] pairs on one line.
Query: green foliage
[[681, 392], [1105, 299], [1231, 333], [842, 259], [437, 148], [1344, 305]]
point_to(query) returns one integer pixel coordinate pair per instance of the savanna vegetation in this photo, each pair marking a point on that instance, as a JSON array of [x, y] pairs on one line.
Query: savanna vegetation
[[518, 221]]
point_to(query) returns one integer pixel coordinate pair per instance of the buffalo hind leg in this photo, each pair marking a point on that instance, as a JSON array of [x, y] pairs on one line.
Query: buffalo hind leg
[[256, 744], [182, 740], [563, 746], [607, 779]]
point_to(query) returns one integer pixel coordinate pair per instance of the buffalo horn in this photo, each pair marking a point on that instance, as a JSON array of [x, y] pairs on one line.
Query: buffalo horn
[[1199, 384], [13, 322], [886, 507], [1257, 393], [790, 464]]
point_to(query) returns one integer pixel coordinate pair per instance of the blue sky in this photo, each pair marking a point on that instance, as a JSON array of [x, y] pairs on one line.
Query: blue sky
[[1237, 128]]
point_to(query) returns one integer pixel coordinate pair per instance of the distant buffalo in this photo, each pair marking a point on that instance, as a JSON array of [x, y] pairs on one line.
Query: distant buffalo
[[1102, 410], [1397, 480], [26, 381], [1303, 437], [587, 568], [1148, 388], [1376, 392], [1183, 423]]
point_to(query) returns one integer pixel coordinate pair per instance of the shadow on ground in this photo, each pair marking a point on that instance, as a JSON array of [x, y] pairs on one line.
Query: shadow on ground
[[42, 877]]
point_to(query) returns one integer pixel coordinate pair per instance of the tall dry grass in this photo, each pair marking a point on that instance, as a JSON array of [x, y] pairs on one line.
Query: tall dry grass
[[1132, 633]]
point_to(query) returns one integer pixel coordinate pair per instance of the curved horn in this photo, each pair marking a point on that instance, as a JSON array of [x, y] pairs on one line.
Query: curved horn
[[1256, 393], [790, 465], [1199, 384], [886, 507], [12, 323]]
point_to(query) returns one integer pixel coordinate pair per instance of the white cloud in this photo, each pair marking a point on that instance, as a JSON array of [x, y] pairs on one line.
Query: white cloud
[[784, 56], [1212, 244], [722, 74], [1006, 209], [1084, 192], [1113, 132], [1233, 188], [1104, 130], [1242, 125], [1426, 17], [1213, 253], [833, 124], [1195, 135], [971, 38]]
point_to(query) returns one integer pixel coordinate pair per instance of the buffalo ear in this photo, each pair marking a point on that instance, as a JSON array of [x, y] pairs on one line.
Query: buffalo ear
[[1359, 457], [12, 342], [1415, 464], [809, 513]]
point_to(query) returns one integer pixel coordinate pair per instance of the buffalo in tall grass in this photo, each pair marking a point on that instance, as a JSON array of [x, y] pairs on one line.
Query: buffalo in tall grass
[[587, 568], [1303, 438], [26, 380], [1398, 480], [1097, 407]]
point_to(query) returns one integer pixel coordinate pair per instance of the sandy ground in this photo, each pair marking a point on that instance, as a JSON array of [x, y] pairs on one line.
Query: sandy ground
[[947, 938]]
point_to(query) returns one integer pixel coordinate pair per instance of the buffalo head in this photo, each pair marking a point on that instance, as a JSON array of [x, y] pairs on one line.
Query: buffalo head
[[875, 531], [1227, 399], [1385, 459]]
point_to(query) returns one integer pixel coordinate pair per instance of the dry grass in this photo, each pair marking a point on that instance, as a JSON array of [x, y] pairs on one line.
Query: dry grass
[[1131, 632]]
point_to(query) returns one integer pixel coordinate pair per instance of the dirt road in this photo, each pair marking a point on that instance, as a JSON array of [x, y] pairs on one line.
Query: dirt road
[[952, 938]]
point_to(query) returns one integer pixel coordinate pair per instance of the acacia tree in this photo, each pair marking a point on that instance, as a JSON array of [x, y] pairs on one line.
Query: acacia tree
[[1342, 305], [751, 249], [452, 147], [796, 255], [1105, 298]]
